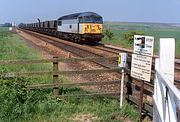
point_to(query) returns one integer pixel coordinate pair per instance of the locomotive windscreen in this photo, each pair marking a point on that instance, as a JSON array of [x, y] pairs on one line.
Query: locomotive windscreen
[[98, 20], [88, 19]]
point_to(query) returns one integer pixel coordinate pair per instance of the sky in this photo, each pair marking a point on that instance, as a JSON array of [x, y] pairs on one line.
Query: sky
[[27, 11]]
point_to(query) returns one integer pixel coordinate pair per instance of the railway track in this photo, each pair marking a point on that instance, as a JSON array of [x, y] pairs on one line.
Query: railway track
[[79, 50]]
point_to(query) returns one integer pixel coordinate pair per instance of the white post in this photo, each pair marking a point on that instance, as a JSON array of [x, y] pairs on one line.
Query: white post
[[167, 56], [165, 105], [122, 86], [122, 65]]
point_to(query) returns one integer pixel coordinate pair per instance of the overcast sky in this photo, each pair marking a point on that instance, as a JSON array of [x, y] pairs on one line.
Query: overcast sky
[[164, 11]]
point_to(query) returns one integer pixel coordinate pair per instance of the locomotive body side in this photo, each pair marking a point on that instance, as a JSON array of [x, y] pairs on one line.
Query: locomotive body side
[[68, 26]]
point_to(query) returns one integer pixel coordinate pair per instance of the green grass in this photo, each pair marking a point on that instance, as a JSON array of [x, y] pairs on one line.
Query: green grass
[[17, 104], [100, 109], [156, 30], [13, 48]]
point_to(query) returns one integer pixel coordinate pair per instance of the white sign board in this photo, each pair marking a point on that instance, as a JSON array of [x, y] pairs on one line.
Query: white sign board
[[141, 67], [143, 45]]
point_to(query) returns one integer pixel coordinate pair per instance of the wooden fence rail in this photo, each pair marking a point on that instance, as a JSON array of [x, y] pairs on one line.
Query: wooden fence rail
[[17, 74], [132, 85], [55, 59], [48, 86]]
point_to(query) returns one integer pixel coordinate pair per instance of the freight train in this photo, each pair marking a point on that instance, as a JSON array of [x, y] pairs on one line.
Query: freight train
[[85, 27]]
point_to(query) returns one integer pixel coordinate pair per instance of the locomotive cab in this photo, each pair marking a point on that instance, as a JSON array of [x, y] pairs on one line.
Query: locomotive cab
[[81, 23]]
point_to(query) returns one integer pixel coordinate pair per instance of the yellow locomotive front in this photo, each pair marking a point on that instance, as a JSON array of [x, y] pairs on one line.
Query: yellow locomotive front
[[91, 25], [91, 28]]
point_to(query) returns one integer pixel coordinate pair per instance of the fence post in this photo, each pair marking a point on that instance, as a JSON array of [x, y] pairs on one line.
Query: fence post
[[55, 77], [129, 79]]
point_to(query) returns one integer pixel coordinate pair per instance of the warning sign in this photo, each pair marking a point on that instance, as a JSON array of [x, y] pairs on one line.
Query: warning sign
[[143, 45], [141, 67]]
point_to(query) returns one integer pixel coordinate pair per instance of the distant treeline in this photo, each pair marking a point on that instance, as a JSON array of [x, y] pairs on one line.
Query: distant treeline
[[6, 25]]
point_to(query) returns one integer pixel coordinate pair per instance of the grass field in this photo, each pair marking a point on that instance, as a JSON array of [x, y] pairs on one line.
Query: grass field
[[13, 48], [20, 105], [150, 29]]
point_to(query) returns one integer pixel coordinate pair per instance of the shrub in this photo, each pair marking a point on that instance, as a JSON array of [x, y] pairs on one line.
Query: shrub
[[129, 36], [109, 34], [16, 101]]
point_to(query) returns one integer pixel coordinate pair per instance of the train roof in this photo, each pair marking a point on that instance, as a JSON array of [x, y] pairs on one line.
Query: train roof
[[77, 15]]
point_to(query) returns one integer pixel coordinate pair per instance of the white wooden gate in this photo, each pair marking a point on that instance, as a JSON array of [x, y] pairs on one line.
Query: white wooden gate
[[166, 95]]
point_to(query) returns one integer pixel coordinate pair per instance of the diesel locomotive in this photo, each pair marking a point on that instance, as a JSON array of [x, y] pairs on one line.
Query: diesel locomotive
[[85, 27]]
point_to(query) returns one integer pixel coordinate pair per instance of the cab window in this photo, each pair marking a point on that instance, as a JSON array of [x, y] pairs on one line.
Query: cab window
[[98, 20], [91, 19], [80, 20], [88, 19]]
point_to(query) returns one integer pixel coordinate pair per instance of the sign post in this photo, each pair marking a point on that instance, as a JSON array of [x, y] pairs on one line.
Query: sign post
[[141, 99], [122, 65], [141, 63]]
